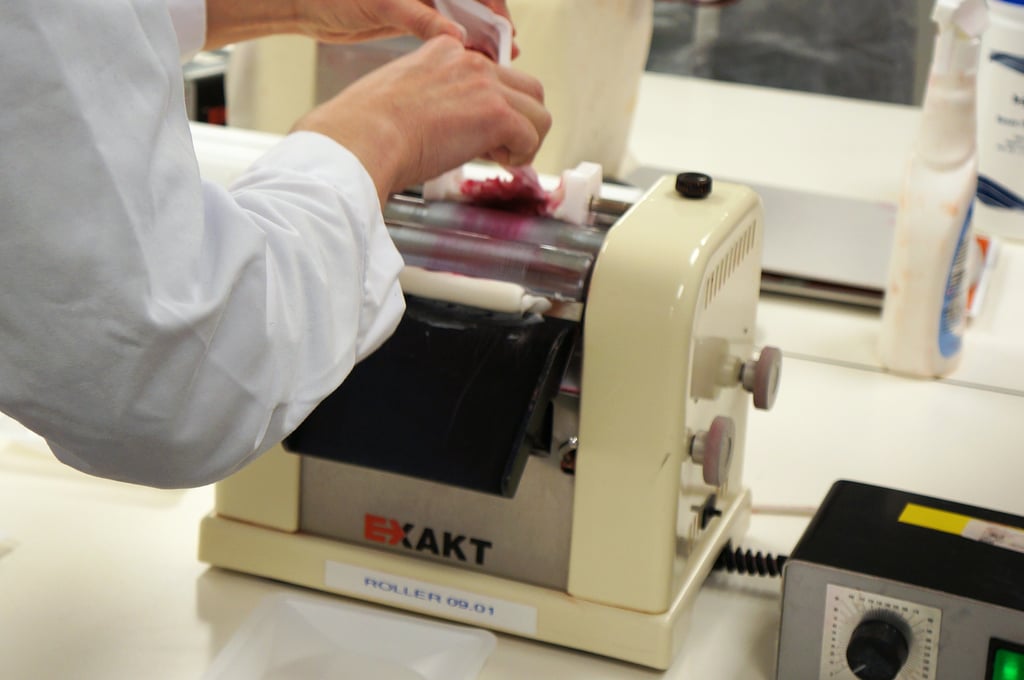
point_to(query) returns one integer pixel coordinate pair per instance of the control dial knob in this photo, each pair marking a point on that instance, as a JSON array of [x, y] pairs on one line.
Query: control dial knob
[[761, 377], [712, 450], [877, 650]]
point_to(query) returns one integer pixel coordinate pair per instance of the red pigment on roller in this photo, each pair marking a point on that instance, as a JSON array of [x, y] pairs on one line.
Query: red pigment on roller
[[521, 194]]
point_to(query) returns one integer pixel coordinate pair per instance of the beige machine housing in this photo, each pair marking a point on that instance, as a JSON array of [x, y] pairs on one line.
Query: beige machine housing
[[668, 326]]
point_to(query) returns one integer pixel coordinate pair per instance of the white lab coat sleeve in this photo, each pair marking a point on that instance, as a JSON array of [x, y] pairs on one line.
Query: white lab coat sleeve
[[189, 20], [153, 328]]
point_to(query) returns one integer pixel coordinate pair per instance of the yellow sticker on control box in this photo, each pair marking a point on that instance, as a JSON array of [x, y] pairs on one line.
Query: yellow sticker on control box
[[999, 535]]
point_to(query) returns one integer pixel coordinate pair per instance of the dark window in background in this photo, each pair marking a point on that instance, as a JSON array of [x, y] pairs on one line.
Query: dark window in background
[[869, 49]]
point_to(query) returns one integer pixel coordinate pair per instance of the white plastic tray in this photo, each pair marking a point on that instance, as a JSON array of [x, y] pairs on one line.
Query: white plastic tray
[[297, 637]]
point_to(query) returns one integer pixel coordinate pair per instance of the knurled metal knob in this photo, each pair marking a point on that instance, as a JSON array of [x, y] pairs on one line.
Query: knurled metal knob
[[712, 450], [761, 377]]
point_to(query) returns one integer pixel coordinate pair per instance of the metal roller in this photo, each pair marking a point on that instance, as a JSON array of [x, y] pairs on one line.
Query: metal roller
[[544, 255]]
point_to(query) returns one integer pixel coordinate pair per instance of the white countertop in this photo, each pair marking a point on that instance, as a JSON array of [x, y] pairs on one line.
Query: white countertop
[[103, 581]]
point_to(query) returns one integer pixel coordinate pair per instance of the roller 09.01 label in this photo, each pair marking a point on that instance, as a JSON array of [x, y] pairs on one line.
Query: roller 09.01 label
[[431, 598]]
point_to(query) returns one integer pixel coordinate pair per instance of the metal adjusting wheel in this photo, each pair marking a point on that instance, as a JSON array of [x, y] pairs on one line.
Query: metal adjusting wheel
[[761, 377], [712, 450]]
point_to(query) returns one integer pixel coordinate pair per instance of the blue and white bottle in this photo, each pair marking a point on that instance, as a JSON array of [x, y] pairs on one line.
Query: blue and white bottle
[[1000, 208]]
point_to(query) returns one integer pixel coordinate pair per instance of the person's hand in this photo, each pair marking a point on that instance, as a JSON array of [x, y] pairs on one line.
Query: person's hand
[[357, 20], [433, 110], [336, 21]]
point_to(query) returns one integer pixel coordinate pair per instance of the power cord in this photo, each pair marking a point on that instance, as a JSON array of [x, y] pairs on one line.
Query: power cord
[[740, 561]]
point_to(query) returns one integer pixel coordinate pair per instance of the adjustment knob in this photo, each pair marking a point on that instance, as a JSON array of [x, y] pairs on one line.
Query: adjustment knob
[[761, 377], [693, 185], [712, 450], [877, 650]]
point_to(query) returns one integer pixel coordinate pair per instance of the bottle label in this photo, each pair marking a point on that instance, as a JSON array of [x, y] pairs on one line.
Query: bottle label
[[995, 195], [1008, 60], [954, 303], [1001, 154]]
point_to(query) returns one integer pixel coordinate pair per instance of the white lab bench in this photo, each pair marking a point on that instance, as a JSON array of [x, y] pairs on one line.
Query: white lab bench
[[103, 581]]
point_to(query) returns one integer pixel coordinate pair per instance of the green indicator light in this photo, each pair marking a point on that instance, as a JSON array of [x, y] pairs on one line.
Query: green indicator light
[[1008, 665]]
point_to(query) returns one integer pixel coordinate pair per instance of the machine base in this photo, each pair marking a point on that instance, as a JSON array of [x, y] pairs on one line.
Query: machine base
[[474, 598]]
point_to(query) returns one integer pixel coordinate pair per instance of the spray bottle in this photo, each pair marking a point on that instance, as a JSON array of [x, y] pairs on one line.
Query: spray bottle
[[924, 313]]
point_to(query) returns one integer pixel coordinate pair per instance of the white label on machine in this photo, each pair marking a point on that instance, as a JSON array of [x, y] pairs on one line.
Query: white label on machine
[[431, 598], [999, 535]]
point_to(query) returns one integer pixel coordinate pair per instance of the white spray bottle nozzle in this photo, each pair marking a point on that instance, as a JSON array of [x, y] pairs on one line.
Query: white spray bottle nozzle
[[958, 21], [970, 17]]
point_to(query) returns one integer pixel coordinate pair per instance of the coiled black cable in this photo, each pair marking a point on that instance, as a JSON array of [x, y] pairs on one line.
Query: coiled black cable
[[742, 561]]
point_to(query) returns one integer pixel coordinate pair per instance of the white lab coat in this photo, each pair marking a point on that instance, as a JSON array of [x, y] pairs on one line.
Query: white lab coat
[[155, 328]]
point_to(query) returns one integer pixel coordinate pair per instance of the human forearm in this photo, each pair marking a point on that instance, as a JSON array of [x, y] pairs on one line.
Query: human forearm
[[337, 21], [230, 21]]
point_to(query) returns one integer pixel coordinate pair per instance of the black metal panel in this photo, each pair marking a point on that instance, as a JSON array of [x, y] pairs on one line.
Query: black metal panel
[[455, 396], [857, 528]]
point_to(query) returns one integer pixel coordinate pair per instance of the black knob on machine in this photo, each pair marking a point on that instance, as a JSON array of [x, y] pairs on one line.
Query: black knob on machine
[[877, 650], [693, 185]]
